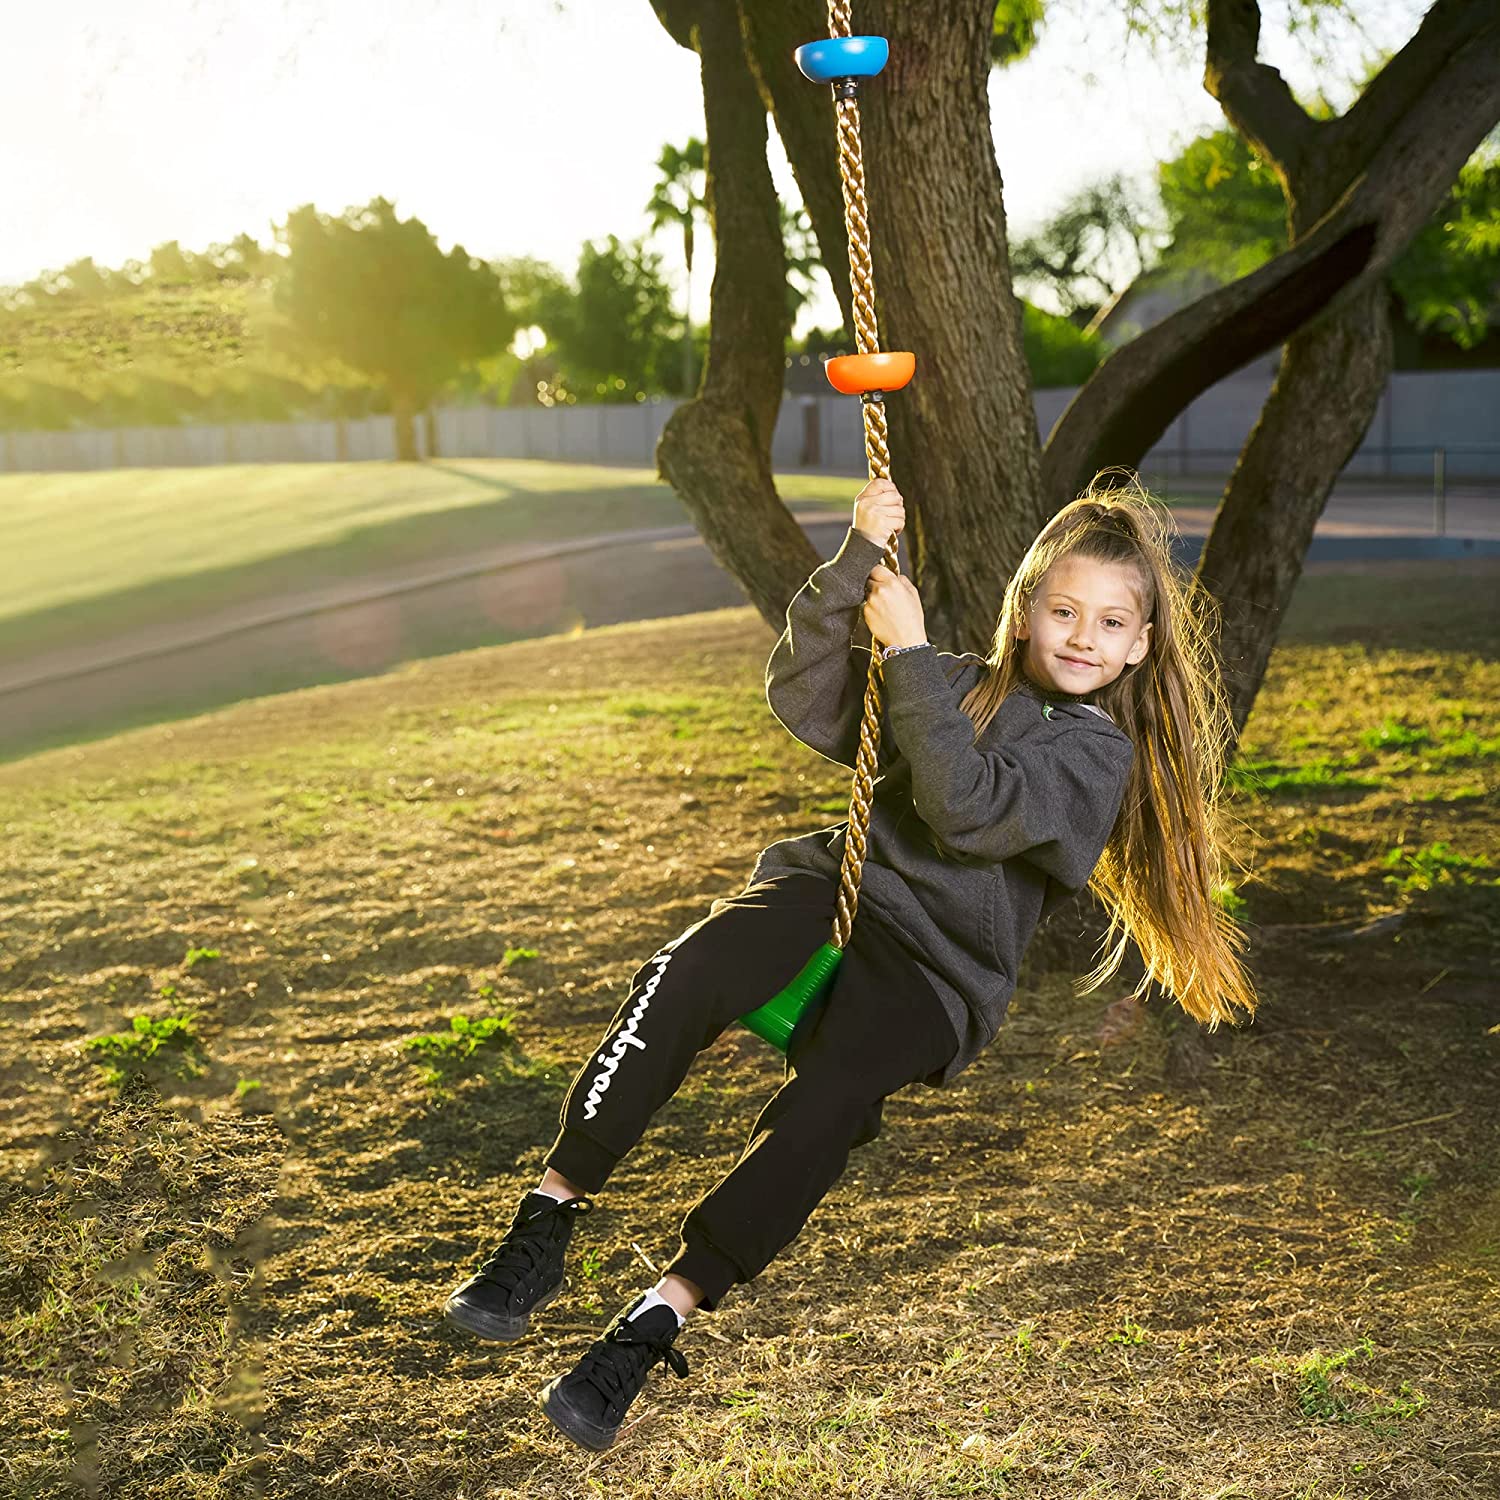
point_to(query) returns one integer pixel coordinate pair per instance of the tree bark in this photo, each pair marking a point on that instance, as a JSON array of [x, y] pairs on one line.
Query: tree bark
[[1326, 392], [773, 30], [965, 451], [403, 416], [715, 450], [964, 442], [963, 439], [1347, 232], [1334, 369]]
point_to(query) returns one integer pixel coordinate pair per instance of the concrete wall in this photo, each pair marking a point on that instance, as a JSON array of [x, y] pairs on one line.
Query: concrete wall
[[1457, 410]]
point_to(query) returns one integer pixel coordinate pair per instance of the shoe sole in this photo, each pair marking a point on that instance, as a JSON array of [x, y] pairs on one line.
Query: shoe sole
[[570, 1423], [487, 1326]]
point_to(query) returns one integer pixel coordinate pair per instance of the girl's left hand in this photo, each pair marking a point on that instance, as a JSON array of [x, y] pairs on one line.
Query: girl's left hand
[[893, 608]]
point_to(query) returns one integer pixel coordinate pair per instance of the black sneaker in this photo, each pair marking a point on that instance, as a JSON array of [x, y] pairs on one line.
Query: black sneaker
[[524, 1272], [589, 1402]]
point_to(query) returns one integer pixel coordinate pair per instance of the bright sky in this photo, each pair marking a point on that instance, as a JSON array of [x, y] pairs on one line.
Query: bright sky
[[516, 127]]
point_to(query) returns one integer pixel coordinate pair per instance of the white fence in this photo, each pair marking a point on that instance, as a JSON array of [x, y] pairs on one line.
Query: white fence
[[1455, 410]]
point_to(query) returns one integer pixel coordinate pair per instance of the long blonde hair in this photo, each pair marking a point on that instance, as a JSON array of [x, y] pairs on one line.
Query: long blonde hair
[[1161, 870]]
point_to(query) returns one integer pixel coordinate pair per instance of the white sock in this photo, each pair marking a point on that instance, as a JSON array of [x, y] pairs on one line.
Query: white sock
[[552, 1193], [654, 1298]]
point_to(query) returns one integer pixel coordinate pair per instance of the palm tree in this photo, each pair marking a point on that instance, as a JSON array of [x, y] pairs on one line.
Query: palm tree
[[678, 199]]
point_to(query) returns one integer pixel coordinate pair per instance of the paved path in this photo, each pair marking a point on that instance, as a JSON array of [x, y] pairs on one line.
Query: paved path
[[518, 590]]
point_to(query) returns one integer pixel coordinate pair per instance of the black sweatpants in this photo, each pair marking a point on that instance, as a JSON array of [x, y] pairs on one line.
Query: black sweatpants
[[879, 1028]]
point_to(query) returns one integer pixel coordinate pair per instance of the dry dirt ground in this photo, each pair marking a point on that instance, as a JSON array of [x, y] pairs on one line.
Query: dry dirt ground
[[1077, 1273]]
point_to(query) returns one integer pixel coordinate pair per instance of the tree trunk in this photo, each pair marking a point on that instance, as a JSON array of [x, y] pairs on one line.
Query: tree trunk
[[1326, 392], [715, 450], [429, 422], [965, 452], [964, 441], [963, 438], [1398, 148], [403, 418]]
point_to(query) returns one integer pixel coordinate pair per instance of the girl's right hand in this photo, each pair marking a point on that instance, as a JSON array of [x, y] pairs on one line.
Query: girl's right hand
[[879, 511]]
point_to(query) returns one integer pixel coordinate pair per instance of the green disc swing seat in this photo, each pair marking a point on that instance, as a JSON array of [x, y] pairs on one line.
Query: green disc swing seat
[[842, 61]]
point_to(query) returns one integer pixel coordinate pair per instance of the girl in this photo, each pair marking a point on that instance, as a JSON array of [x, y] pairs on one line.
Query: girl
[[1084, 750]]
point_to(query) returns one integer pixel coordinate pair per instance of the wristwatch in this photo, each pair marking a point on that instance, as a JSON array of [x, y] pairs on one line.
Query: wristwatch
[[890, 651]]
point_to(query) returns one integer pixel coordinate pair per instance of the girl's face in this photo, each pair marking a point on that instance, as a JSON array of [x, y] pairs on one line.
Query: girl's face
[[1084, 626]]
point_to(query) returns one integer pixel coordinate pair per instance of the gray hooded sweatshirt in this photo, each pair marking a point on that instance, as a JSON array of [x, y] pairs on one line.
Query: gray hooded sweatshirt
[[1023, 814]]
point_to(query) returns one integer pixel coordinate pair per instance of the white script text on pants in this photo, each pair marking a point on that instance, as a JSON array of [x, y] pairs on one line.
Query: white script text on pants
[[625, 1037]]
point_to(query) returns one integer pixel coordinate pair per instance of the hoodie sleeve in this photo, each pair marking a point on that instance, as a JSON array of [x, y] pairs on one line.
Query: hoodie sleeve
[[815, 679], [1049, 799]]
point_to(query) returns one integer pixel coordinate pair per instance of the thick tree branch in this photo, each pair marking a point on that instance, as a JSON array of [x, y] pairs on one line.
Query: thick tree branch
[[1325, 395], [1254, 95], [715, 451], [1129, 400], [804, 116], [678, 18], [1350, 141]]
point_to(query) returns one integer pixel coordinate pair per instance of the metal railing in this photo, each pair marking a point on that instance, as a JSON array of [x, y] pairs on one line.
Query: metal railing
[[1403, 472]]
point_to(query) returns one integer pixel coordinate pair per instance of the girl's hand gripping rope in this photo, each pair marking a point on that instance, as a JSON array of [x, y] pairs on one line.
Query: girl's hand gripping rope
[[893, 608], [879, 510]]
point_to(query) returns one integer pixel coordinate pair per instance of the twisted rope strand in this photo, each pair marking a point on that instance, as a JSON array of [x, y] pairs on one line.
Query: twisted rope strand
[[878, 459]]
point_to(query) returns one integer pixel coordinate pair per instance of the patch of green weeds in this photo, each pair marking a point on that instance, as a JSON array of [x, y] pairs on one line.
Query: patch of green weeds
[[830, 806], [1260, 777], [1467, 745], [466, 1046], [1416, 1183], [1328, 1392], [591, 1263], [1395, 734], [1130, 1332], [1451, 794], [200, 956], [1023, 1345], [167, 1043], [1434, 865], [1230, 899]]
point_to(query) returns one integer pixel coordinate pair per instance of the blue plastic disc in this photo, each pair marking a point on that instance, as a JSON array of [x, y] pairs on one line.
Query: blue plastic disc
[[842, 57]]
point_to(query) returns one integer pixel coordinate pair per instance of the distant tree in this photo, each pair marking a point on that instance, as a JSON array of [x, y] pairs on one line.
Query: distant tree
[[1102, 238], [169, 263], [1058, 351], [244, 258], [86, 280], [1225, 208], [375, 292], [1448, 279], [613, 334], [1226, 213], [1013, 31], [803, 259], [530, 287], [678, 202]]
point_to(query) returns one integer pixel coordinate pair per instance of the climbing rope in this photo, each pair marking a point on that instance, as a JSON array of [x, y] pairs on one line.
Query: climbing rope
[[878, 458], [843, 60]]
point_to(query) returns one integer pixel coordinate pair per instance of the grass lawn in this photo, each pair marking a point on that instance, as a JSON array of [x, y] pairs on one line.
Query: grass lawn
[[228, 1233], [92, 554]]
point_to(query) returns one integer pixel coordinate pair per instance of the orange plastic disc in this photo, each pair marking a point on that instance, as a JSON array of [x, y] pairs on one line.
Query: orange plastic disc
[[854, 374]]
